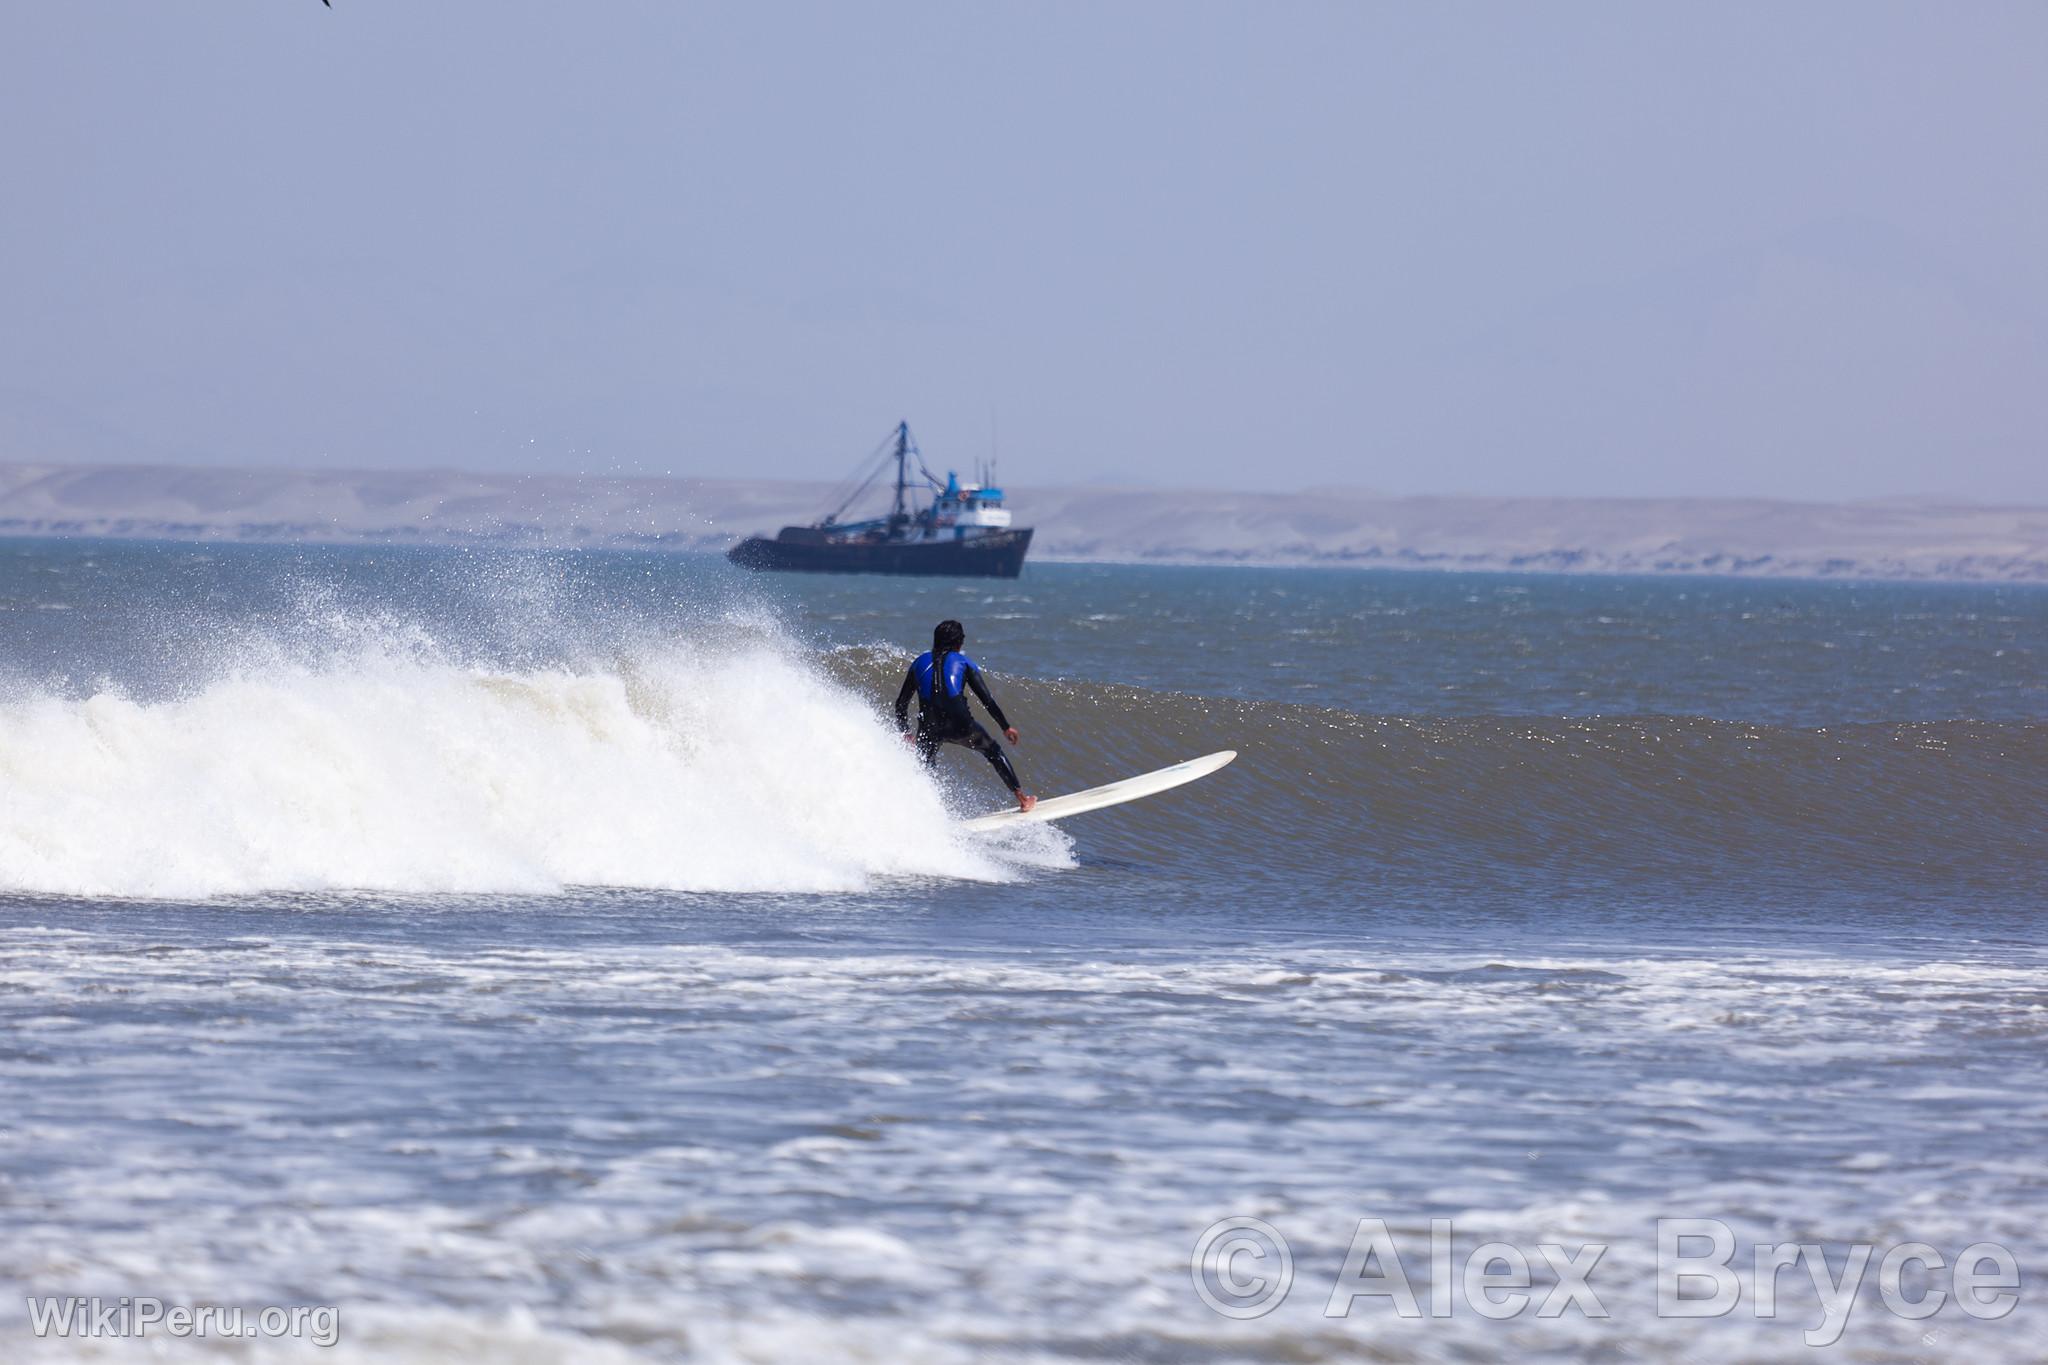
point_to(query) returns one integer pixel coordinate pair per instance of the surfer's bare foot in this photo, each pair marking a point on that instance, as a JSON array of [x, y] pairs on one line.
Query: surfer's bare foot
[[1025, 800]]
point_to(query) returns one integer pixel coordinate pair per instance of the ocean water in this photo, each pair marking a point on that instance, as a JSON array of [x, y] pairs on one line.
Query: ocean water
[[558, 957]]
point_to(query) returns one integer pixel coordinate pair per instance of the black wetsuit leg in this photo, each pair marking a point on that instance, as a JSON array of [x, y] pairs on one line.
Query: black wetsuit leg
[[984, 743], [929, 738]]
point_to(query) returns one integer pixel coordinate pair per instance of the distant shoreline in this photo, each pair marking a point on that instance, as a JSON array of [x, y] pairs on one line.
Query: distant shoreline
[[1892, 540], [1064, 561]]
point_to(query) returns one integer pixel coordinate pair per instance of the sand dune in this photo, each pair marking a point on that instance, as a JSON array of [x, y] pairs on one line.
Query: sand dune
[[1890, 539]]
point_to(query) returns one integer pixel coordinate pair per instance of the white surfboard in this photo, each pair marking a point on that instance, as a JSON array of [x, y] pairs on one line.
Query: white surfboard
[[1115, 794]]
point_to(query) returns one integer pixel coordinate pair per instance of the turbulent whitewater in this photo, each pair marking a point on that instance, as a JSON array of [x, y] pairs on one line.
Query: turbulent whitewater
[[446, 728], [387, 772]]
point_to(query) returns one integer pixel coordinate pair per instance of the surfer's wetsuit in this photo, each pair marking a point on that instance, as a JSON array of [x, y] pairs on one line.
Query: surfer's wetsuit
[[942, 714]]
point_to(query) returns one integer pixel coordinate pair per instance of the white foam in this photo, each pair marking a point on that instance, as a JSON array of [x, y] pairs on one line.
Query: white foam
[[671, 766]]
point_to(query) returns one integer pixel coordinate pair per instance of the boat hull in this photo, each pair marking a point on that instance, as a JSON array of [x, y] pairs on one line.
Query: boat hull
[[800, 549]]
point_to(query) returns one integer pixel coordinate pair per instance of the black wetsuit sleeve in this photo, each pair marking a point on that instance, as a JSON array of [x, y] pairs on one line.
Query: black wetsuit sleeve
[[904, 694], [981, 690]]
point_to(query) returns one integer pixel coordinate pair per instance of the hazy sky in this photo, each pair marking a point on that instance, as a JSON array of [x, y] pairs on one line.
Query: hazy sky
[[1795, 250]]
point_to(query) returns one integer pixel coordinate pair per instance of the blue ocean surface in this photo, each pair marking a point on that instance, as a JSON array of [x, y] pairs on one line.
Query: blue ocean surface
[[560, 957]]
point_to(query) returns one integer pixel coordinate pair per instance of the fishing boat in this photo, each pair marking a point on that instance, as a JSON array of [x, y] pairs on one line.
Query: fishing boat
[[964, 531]]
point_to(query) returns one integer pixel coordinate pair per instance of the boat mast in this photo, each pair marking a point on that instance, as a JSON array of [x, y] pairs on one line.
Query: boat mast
[[897, 518]]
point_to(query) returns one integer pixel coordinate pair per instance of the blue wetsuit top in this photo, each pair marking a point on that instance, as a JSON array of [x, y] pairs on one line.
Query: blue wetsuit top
[[941, 693]]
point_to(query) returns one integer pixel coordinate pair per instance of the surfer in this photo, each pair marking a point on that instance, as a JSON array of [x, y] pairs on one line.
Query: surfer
[[940, 680]]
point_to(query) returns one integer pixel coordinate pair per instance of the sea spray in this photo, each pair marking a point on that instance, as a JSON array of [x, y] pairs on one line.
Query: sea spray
[[675, 765]]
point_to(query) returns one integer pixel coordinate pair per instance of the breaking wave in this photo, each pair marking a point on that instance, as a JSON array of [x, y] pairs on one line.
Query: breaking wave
[[391, 766], [726, 757]]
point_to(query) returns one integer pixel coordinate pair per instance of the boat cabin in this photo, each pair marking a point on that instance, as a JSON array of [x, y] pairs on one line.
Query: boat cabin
[[970, 506]]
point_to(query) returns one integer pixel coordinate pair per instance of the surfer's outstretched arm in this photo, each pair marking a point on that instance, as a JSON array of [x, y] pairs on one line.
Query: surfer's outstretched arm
[[981, 690]]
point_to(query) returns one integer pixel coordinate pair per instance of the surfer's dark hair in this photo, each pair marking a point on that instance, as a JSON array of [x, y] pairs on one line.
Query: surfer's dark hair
[[948, 636]]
